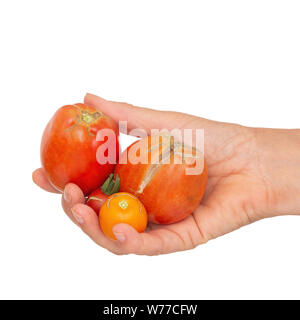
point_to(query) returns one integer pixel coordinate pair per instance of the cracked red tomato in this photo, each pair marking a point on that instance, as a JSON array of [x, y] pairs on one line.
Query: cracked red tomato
[[96, 199], [168, 177], [72, 149]]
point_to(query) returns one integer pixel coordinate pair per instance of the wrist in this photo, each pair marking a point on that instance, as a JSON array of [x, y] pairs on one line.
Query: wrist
[[278, 156]]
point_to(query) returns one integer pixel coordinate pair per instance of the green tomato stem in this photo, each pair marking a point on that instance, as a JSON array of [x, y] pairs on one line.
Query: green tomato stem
[[111, 185]]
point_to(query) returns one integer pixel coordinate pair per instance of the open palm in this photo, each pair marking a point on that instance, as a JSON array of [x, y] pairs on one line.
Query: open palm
[[237, 193]]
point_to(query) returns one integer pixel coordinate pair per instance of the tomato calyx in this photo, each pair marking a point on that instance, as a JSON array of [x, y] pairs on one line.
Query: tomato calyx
[[88, 117], [111, 185], [123, 204]]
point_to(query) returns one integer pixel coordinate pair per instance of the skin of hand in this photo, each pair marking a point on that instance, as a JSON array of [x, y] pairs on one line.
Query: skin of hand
[[253, 174]]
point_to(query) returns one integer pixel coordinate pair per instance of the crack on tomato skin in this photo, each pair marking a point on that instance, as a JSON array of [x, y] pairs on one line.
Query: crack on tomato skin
[[90, 133], [167, 149], [76, 122], [93, 198], [76, 106], [154, 168], [72, 126], [131, 190]]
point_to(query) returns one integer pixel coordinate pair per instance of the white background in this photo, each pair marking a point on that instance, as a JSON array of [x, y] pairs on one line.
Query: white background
[[236, 61]]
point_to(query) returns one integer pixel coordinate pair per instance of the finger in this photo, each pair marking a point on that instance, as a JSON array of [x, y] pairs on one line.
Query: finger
[[72, 195], [40, 179], [88, 221], [131, 241], [154, 242], [128, 239], [136, 117]]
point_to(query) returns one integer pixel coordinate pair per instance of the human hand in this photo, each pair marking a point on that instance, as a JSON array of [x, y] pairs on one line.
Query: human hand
[[247, 181]]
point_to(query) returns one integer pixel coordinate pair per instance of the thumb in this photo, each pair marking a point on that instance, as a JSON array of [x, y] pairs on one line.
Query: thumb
[[136, 117]]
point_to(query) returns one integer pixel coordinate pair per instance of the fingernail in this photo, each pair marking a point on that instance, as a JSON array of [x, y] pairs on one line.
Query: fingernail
[[77, 216], [119, 236], [67, 196]]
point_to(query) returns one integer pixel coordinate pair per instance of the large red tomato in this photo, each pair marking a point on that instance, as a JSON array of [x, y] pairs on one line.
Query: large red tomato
[[167, 177], [69, 147]]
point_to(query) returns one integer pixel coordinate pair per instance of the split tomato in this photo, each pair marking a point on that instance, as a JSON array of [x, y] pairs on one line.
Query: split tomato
[[69, 148], [168, 177]]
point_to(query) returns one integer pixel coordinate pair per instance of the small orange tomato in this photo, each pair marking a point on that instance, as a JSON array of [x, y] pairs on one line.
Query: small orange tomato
[[122, 207]]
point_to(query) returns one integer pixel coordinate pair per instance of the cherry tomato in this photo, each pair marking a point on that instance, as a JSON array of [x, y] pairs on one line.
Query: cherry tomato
[[164, 186], [96, 199], [122, 207], [69, 147]]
